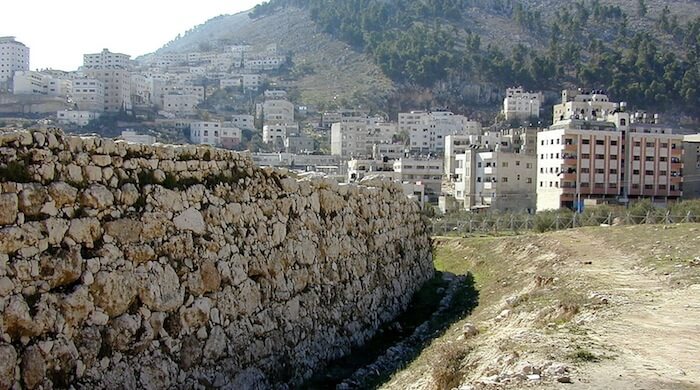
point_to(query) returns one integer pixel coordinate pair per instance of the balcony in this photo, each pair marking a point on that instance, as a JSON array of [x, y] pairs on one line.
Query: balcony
[[570, 148], [490, 170], [490, 185]]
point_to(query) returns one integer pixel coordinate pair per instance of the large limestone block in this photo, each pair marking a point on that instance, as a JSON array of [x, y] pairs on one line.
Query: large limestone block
[[63, 193], [192, 220], [9, 204], [56, 229], [124, 230], [196, 315], [97, 196], [63, 269], [166, 200], [85, 230], [8, 360], [160, 290], [32, 199], [76, 308], [17, 321], [113, 292], [33, 367], [155, 225]]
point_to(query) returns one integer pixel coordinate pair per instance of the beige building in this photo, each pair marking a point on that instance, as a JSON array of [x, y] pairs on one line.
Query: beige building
[[88, 95], [14, 56], [27, 82], [214, 133], [357, 139], [276, 133], [621, 159], [112, 69], [181, 104], [243, 122], [276, 111], [691, 166], [499, 180], [584, 105]]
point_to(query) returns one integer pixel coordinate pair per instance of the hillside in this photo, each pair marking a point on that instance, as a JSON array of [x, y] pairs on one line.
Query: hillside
[[613, 307], [325, 70], [458, 52]]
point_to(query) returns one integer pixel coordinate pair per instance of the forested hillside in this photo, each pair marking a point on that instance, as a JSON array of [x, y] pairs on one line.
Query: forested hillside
[[645, 52]]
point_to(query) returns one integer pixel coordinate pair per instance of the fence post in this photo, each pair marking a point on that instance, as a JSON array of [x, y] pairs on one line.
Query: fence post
[[512, 223], [668, 218], [556, 223], [573, 221]]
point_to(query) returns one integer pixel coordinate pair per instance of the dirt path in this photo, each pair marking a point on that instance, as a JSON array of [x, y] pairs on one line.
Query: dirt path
[[651, 330]]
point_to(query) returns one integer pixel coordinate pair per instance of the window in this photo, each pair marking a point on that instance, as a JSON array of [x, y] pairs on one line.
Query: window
[[528, 165], [635, 158], [585, 184], [613, 156], [662, 186], [637, 143], [478, 179], [635, 172], [504, 164], [517, 163], [600, 170], [585, 141], [541, 170], [613, 143], [664, 144], [662, 173], [585, 170], [649, 173], [612, 185], [650, 144], [663, 159], [600, 157], [649, 158], [648, 186], [541, 184], [585, 156], [613, 171], [504, 179], [600, 142]]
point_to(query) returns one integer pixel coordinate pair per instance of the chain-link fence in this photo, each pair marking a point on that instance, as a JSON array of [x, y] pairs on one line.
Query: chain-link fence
[[542, 222]]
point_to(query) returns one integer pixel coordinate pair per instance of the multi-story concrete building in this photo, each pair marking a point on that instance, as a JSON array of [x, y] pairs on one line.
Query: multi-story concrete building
[[141, 89], [272, 94], [357, 139], [88, 95], [181, 104], [691, 166], [427, 172], [277, 111], [620, 159], [162, 88], [427, 130], [27, 82], [268, 62], [520, 104], [501, 179], [298, 143], [276, 133], [112, 69], [389, 151], [80, 118], [14, 56], [243, 122], [583, 105], [215, 133]]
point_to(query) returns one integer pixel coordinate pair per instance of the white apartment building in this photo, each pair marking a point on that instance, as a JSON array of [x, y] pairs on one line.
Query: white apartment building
[[184, 104], [80, 118], [215, 133], [357, 139], [389, 151], [26, 82], [134, 137], [427, 130], [621, 159], [112, 69], [584, 105], [163, 88], [499, 179], [14, 56], [520, 104], [277, 112], [88, 95], [276, 133], [243, 122]]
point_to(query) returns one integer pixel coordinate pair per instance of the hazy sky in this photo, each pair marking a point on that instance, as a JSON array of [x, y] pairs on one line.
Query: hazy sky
[[58, 33]]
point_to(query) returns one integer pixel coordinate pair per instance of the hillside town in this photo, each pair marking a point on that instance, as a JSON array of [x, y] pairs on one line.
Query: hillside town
[[595, 151]]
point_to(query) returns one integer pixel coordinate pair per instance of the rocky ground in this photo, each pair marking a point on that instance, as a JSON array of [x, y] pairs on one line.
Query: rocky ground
[[592, 308]]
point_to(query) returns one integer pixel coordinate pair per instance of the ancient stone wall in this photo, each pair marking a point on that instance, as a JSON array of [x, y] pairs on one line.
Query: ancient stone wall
[[136, 266]]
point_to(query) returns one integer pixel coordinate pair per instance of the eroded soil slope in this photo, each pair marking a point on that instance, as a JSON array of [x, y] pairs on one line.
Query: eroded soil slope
[[592, 308]]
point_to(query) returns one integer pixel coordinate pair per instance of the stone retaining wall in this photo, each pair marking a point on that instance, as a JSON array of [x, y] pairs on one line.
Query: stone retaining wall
[[134, 266]]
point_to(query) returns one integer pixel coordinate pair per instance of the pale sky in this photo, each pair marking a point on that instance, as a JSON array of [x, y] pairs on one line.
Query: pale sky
[[58, 33]]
